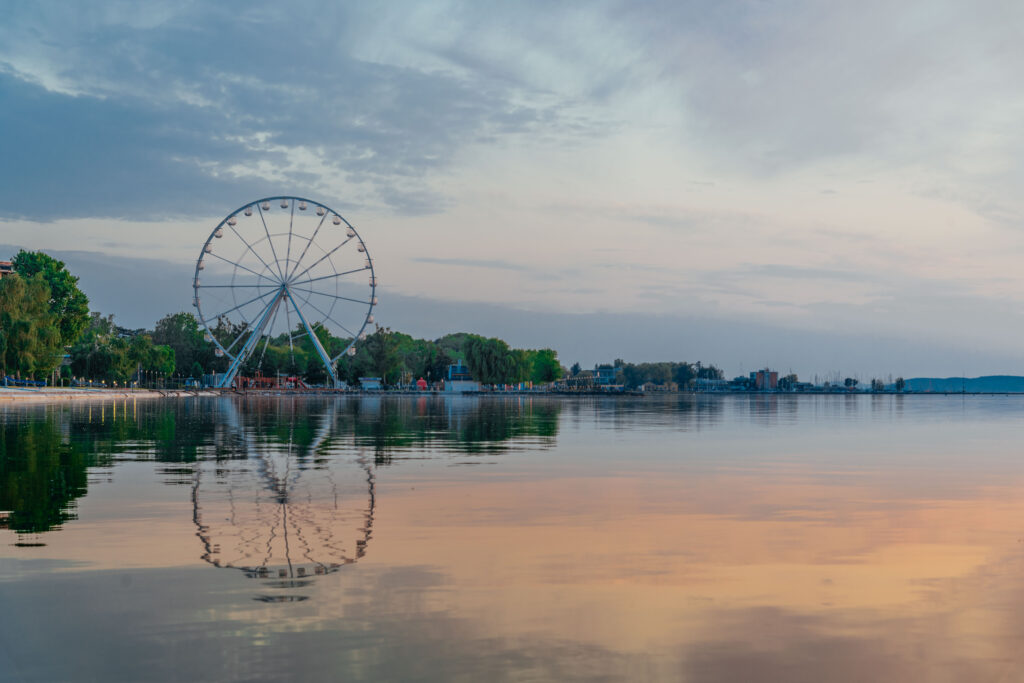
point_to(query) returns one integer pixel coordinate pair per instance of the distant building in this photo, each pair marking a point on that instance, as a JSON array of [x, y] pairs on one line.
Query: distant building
[[581, 382], [6, 268], [765, 380], [458, 372], [702, 384], [667, 386], [604, 375], [371, 383], [742, 383], [459, 380]]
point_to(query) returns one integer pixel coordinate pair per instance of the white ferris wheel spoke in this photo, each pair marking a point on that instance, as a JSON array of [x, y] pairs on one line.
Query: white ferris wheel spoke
[[288, 255], [239, 265], [328, 317], [327, 277], [249, 247], [277, 261], [247, 329], [267, 334], [291, 347], [319, 260], [245, 303], [312, 239], [229, 286], [331, 296]]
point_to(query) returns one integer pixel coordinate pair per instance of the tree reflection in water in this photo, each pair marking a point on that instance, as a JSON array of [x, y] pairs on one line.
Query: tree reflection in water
[[466, 425], [41, 473], [276, 455]]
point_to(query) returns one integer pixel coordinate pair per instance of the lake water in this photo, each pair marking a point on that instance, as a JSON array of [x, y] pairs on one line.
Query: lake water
[[731, 538]]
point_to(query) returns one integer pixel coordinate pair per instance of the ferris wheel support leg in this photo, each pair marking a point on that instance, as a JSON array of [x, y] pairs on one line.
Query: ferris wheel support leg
[[250, 344], [316, 342]]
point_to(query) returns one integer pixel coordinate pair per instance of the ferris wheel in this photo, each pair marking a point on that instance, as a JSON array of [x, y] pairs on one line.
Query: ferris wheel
[[283, 267]]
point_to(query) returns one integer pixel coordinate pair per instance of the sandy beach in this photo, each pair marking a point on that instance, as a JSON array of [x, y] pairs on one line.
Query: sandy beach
[[58, 394]]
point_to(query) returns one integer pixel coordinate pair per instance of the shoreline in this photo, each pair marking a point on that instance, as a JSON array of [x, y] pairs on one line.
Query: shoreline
[[22, 395], [60, 395]]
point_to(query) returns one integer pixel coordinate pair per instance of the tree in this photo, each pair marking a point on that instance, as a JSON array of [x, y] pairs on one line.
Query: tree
[[103, 353], [900, 384], [439, 363], [877, 385], [160, 359], [684, 374], [31, 338], [68, 304], [315, 372], [381, 353], [575, 369], [709, 372], [658, 373], [632, 376], [850, 382], [491, 361], [788, 382], [544, 366], [454, 344], [180, 331]]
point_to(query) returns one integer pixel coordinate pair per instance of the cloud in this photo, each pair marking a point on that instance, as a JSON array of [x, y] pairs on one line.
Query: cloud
[[778, 270], [773, 87], [177, 112], [86, 156], [809, 165], [473, 263]]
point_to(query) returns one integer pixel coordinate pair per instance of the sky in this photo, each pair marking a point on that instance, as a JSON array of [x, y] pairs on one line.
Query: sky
[[818, 187]]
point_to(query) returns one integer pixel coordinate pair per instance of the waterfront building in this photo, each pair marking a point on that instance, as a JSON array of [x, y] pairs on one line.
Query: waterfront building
[[459, 380], [742, 383], [6, 268], [703, 384], [765, 380], [604, 375]]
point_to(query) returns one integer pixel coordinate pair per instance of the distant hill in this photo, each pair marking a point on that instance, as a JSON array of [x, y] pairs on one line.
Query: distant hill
[[996, 384]]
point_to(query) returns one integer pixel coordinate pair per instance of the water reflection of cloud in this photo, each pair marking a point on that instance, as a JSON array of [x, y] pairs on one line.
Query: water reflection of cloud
[[706, 546], [407, 623]]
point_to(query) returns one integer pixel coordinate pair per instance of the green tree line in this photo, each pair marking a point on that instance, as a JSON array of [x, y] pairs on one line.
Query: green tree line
[[634, 375], [44, 315]]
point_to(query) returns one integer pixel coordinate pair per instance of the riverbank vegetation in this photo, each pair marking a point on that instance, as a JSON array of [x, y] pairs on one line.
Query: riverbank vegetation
[[42, 311], [46, 329]]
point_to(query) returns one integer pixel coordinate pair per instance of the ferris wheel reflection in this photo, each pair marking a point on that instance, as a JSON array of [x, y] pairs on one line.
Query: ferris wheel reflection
[[287, 508]]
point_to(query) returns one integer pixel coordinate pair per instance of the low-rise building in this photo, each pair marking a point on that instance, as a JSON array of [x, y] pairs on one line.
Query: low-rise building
[[703, 384], [741, 383], [604, 375], [667, 386], [459, 380]]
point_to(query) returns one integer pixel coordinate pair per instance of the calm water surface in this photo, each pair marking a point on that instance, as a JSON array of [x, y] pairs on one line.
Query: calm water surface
[[840, 538]]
